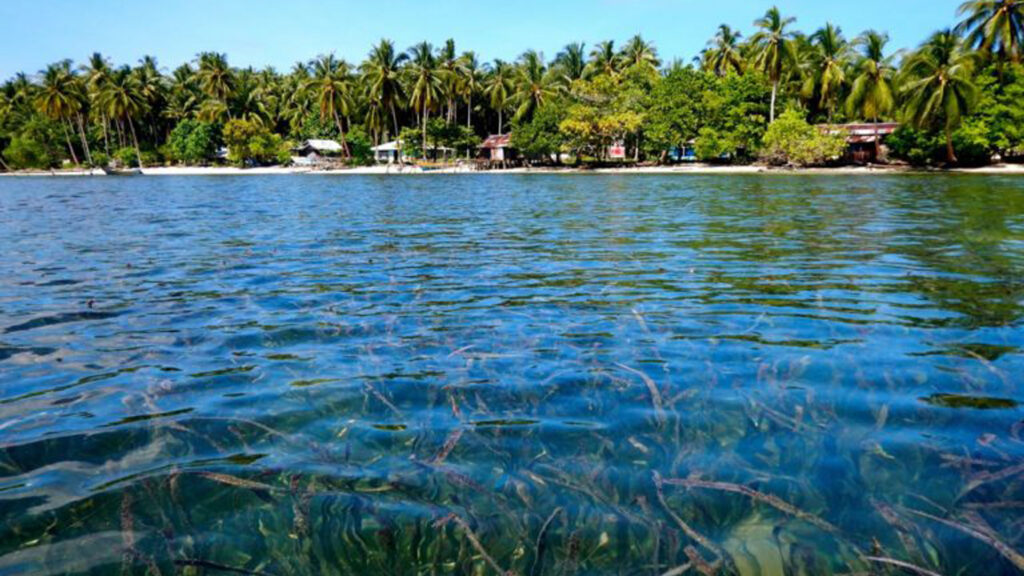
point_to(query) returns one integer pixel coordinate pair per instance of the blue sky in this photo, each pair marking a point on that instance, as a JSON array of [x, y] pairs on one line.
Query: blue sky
[[280, 32]]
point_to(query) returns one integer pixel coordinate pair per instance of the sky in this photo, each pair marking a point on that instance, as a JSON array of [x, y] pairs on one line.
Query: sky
[[281, 32]]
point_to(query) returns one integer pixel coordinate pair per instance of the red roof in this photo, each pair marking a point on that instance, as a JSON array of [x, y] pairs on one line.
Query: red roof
[[497, 141]]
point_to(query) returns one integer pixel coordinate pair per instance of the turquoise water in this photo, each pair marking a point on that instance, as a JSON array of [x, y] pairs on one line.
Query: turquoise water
[[540, 374]]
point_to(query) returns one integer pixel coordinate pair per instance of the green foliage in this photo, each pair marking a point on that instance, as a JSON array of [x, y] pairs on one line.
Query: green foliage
[[606, 111], [451, 135], [250, 142], [678, 110], [540, 138], [193, 142], [1001, 108], [737, 116], [126, 157], [714, 146], [792, 141], [37, 144], [912, 145]]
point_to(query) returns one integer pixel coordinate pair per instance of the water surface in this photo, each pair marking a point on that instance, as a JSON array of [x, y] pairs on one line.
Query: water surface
[[558, 374]]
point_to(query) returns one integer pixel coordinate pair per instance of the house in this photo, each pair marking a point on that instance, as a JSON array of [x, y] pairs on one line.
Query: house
[[497, 148], [617, 151], [389, 153], [318, 148], [865, 142]]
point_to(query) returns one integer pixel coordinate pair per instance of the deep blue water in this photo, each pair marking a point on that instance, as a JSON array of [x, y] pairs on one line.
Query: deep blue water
[[543, 374]]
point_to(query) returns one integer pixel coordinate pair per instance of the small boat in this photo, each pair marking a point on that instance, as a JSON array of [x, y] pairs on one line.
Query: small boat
[[122, 171]]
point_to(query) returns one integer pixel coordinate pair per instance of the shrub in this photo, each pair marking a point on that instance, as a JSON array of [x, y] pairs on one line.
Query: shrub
[[126, 157], [714, 146], [193, 142], [251, 142], [790, 140], [25, 152]]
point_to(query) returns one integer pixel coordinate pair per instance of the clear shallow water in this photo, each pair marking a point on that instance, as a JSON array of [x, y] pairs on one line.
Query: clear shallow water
[[543, 374]]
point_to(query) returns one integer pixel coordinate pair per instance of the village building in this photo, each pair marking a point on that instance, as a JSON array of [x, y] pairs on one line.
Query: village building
[[313, 152], [497, 149], [865, 142]]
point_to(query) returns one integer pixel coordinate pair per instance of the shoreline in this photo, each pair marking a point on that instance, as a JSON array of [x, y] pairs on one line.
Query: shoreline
[[694, 169]]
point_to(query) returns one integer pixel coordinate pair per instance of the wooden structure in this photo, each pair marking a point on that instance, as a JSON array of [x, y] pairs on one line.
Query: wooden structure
[[865, 142]]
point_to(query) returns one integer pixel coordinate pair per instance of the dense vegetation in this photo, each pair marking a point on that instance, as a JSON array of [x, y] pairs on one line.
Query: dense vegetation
[[960, 97]]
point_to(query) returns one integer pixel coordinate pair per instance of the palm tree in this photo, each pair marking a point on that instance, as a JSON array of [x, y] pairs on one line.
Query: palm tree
[[61, 97], [534, 85], [994, 26], [425, 80], [499, 89], [871, 96], [152, 87], [572, 62], [382, 75], [471, 82], [939, 87], [603, 59], [122, 101], [773, 49], [829, 55], [216, 79], [447, 64], [723, 52], [97, 73], [639, 53], [332, 86]]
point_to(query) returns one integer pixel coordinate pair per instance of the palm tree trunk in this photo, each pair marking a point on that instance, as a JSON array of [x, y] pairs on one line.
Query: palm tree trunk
[[878, 141], [469, 113], [4, 164], [135, 139], [394, 119], [341, 133], [426, 117], [950, 153], [85, 141], [67, 137], [501, 122], [775, 93], [106, 137]]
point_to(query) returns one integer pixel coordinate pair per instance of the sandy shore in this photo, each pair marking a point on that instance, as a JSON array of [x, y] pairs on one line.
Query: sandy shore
[[1007, 169]]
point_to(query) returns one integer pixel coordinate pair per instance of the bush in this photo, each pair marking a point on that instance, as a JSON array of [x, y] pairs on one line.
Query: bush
[[252, 143], [926, 147], [24, 152], [193, 142], [714, 146], [790, 140], [100, 159], [126, 157]]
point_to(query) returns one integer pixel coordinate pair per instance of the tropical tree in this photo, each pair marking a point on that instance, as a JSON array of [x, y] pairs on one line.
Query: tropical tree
[[331, 85], [499, 89], [828, 62], [425, 81], [723, 54], [61, 98], [382, 75], [471, 82], [571, 62], [448, 69], [604, 60], [534, 85], [97, 74], [122, 101], [639, 53], [773, 49], [994, 26], [939, 88], [871, 96], [216, 78]]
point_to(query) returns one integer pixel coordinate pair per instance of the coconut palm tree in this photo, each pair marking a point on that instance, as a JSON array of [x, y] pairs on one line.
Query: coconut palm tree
[[939, 88], [994, 26], [604, 59], [471, 82], [572, 62], [216, 78], [639, 53], [773, 49], [425, 81], [534, 85], [331, 85], [61, 98], [499, 89], [122, 101], [723, 54], [447, 65], [153, 88], [97, 73], [382, 74], [829, 57], [871, 96]]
